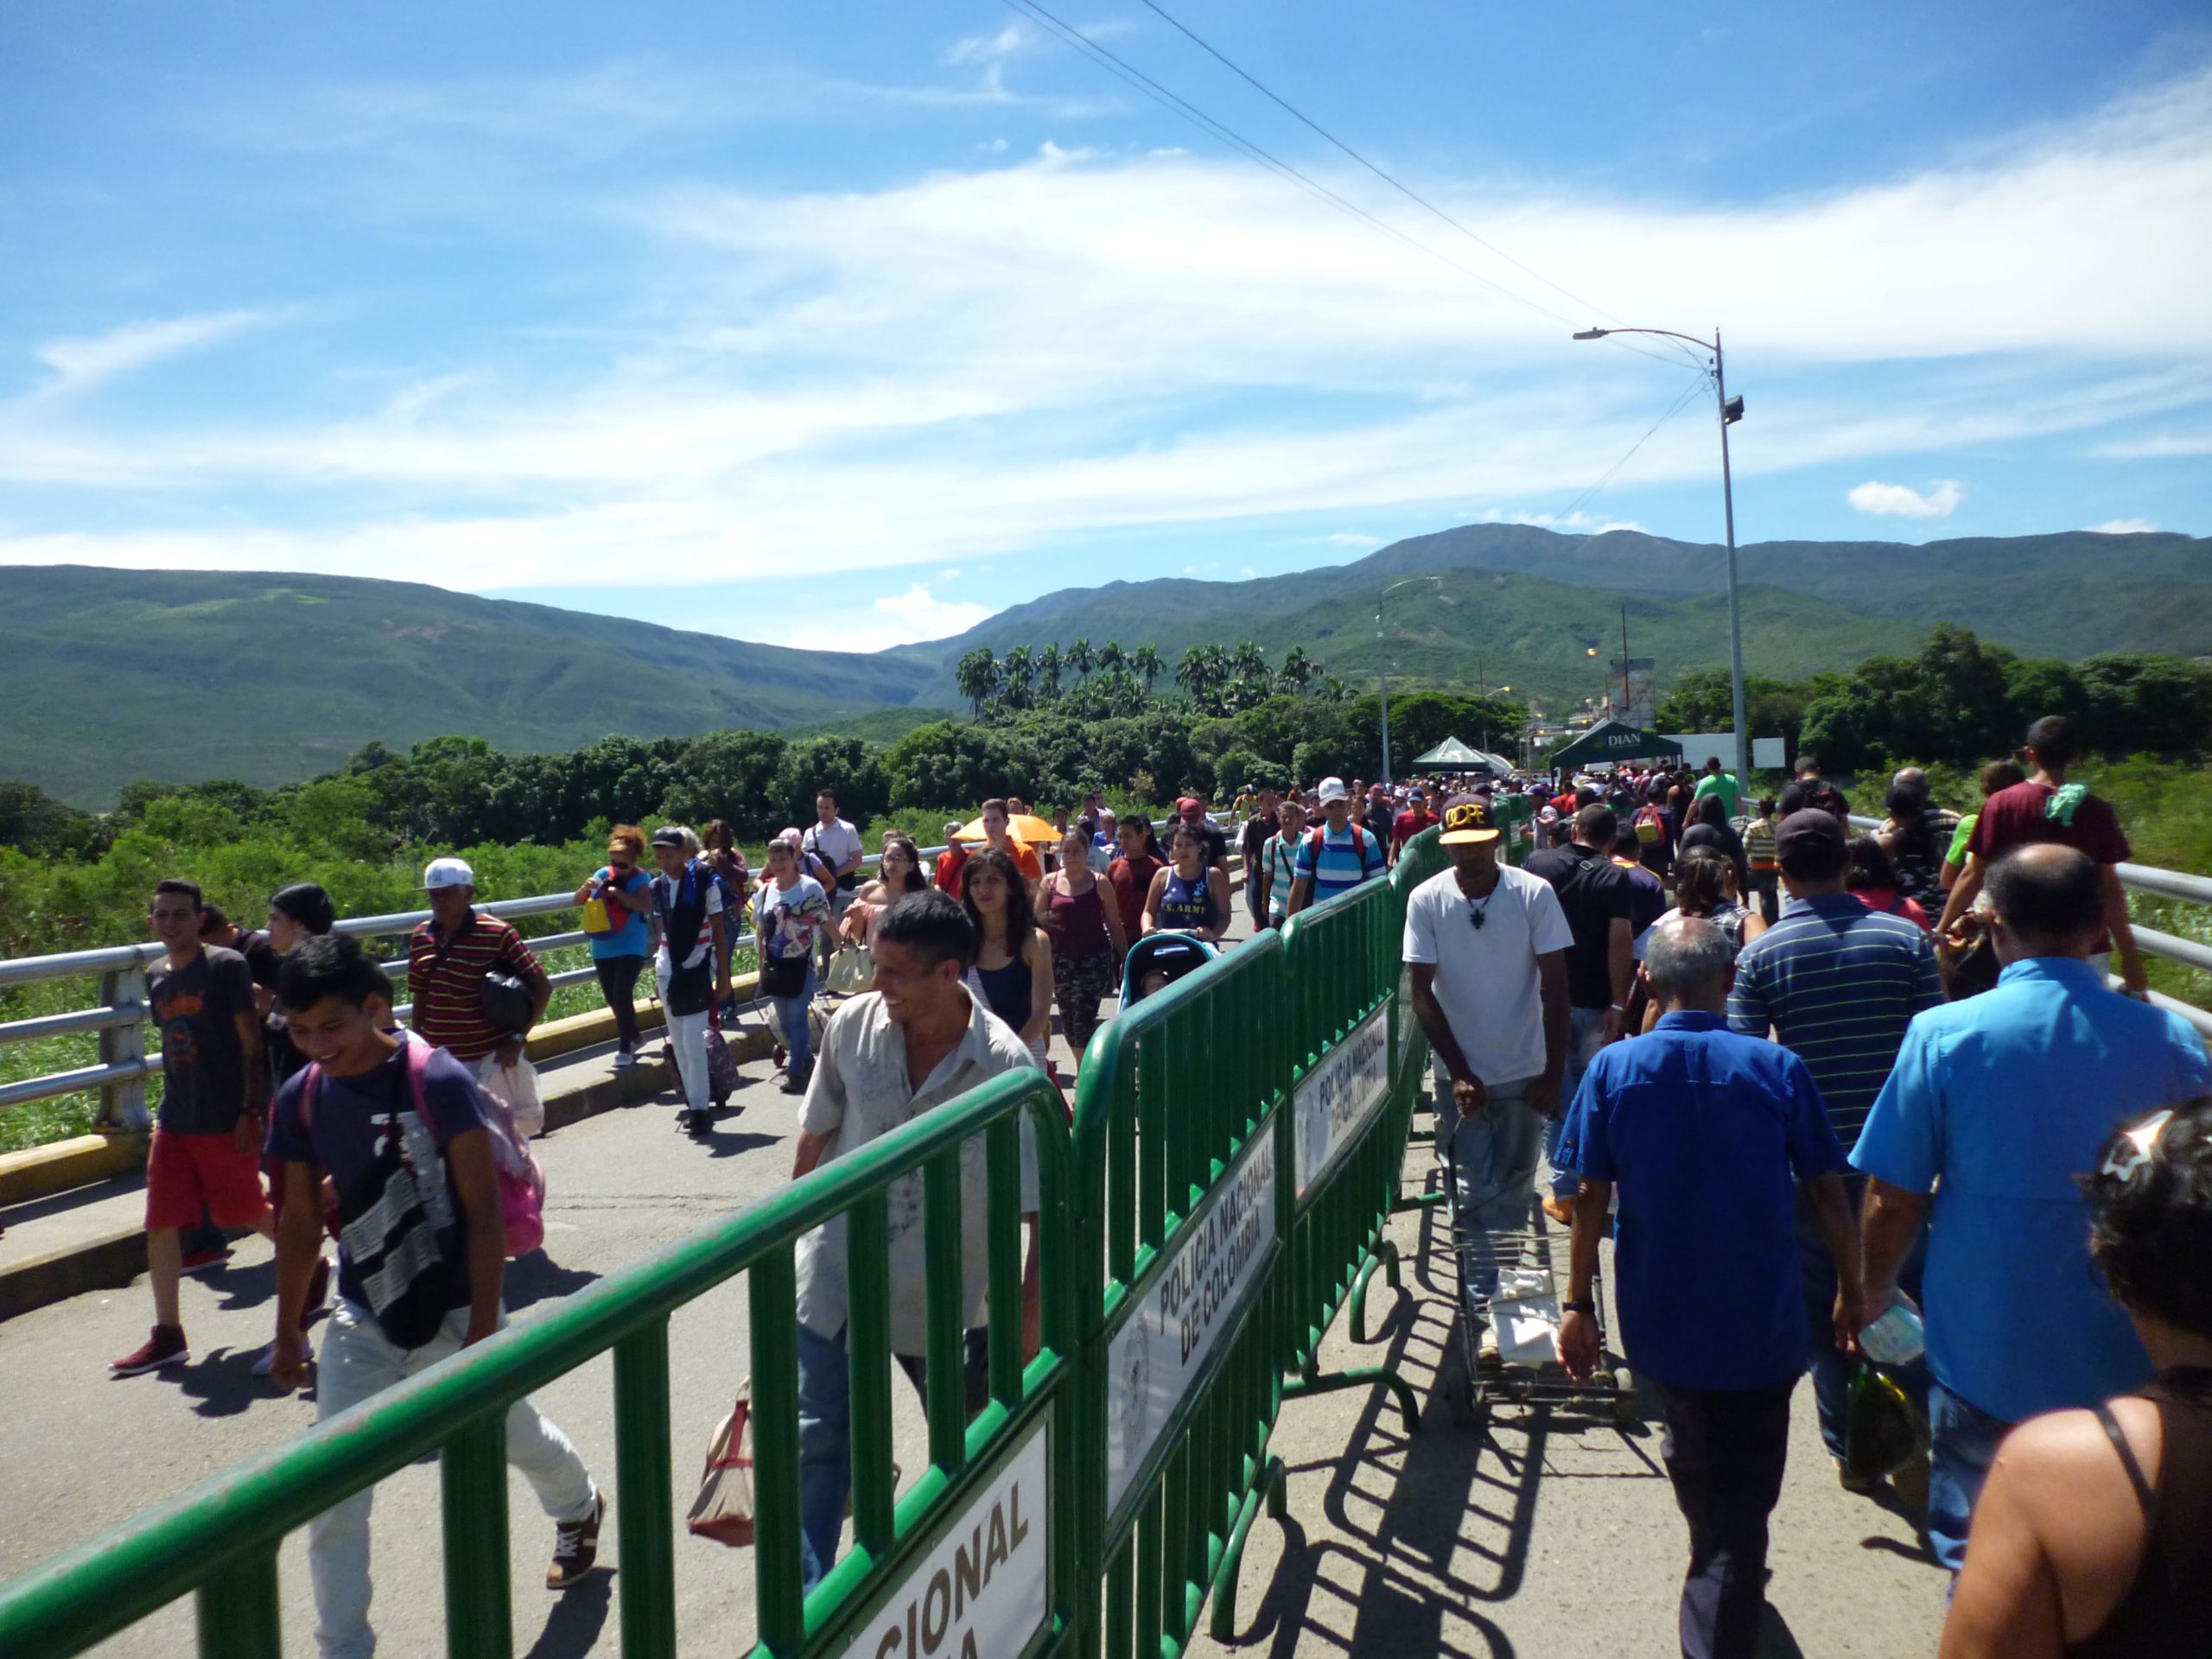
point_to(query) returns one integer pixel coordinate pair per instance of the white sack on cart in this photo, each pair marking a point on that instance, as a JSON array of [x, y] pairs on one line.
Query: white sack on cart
[[1527, 1330]]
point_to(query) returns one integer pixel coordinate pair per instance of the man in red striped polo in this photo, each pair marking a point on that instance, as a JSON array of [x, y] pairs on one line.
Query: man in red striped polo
[[449, 958]]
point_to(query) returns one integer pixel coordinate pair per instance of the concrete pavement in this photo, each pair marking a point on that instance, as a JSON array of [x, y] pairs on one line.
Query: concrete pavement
[[1535, 1535]]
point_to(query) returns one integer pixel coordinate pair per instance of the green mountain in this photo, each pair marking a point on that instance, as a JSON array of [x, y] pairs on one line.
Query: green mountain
[[118, 675]]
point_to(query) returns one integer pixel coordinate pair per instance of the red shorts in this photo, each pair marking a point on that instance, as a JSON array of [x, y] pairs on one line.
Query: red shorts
[[184, 1171]]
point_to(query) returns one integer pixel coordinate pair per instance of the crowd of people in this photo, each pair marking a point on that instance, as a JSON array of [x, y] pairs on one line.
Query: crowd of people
[[1755, 1036], [1800, 1113]]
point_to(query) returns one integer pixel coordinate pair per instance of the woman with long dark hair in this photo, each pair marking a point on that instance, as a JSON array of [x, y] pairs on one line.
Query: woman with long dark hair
[[1085, 927], [899, 875], [1013, 959], [1190, 895]]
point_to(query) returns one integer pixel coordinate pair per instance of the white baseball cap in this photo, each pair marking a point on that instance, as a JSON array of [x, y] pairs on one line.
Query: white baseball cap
[[447, 873], [1332, 789]]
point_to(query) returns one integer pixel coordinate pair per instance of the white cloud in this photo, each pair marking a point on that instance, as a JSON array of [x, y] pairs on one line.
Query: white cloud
[[1575, 522], [990, 48], [1246, 570], [1341, 538], [87, 361], [1903, 501], [2123, 527], [2163, 446], [899, 620]]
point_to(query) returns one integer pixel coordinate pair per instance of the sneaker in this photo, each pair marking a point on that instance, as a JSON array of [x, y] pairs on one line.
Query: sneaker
[[1487, 1357], [267, 1362], [201, 1260], [318, 1297], [701, 1125], [624, 1060], [575, 1547], [165, 1347]]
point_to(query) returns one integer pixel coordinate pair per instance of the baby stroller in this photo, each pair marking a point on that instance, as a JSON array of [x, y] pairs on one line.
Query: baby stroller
[[1158, 960]]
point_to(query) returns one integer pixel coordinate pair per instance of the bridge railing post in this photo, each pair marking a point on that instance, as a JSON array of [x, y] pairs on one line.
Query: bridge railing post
[[123, 1102]]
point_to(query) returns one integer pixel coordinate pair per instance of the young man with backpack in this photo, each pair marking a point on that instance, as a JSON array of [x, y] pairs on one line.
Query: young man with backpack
[[1337, 855], [405, 1135]]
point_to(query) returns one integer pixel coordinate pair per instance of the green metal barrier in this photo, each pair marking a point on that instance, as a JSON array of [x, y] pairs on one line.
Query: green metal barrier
[[907, 1568], [1180, 1144]]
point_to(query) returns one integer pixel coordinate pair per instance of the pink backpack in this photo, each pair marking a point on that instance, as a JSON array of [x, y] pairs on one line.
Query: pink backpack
[[522, 1178]]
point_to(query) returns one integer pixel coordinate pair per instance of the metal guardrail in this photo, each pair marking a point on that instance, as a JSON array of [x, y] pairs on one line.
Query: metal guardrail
[[120, 1016]]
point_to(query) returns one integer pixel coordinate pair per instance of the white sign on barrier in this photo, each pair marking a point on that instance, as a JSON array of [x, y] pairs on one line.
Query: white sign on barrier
[[1185, 1307], [1335, 1099], [982, 1592]]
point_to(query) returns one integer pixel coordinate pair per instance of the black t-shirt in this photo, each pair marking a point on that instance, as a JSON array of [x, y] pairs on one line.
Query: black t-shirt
[[262, 962], [203, 1064], [1594, 891], [1254, 835], [1217, 844]]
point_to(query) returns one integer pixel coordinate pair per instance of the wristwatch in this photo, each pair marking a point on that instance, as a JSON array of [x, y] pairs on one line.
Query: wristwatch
[[1583, 1305]]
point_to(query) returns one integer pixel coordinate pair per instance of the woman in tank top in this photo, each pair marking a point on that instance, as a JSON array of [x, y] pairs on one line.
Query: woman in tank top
[[1190, 895], [1085, 930], [1013, 959], [2092, 1538]]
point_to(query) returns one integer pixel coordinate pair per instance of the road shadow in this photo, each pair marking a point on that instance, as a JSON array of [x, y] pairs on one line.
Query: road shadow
[[578, 1618], [537, 1278], [730, 1143], [241, 1287], [1776, 1641], [223, 1384]]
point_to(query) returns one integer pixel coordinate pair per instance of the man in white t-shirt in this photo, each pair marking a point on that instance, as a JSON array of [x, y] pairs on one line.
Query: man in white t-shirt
[[1486, 944], [837, 844]]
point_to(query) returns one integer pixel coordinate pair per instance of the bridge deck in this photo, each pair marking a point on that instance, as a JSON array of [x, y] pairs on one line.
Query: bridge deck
[[1529, 1539]]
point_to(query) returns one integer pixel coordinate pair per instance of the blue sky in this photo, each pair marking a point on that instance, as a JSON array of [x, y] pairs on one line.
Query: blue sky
[[677, 311]]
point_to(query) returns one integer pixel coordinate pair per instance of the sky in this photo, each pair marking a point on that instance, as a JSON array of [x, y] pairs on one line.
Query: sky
[[846, 326]]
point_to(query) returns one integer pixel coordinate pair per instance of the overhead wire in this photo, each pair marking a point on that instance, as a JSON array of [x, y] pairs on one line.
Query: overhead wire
[[1127, 71], [1699, 382], [1398, 185]]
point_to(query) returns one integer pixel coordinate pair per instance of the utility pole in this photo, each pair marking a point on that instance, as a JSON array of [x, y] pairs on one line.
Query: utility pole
[[1626, 701]]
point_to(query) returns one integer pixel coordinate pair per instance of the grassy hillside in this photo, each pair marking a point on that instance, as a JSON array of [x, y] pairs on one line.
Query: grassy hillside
[[112, 675]]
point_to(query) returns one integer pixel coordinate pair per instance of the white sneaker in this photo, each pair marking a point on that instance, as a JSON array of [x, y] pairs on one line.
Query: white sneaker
[[267, 1362], [624, 1060]]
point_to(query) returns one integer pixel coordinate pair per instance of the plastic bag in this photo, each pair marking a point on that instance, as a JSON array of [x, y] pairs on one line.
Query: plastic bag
[[722, 1508], [1884, 1431], [516, 1087]]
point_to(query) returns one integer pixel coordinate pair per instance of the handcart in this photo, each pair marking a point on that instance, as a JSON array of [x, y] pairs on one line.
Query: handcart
[[1511, 1285]]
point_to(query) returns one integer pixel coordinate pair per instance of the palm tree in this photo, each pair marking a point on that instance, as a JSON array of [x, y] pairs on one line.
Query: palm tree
[[1298, 669], [977, 676], [1048, 672], [1146, 661], [1195, 673], [1110, 657], [1334, 689], [1078, 657], [1014, 676]]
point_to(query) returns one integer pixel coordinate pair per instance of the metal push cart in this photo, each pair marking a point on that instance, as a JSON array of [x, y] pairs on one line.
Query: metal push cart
[[1518, 1298]]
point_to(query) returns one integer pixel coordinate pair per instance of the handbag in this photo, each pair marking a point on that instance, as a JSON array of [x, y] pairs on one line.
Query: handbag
[[721, 1510], [852, 969]]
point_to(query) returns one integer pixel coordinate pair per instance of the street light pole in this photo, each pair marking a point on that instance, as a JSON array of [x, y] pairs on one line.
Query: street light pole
[[1730, 410], [1382, 664]]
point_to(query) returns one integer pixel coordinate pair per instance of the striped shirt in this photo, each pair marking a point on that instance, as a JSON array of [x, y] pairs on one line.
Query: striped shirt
[[448, 985], [1838, 983], [1347, 858]]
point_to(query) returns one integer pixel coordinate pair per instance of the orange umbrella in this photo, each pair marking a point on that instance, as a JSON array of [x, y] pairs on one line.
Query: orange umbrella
[[1022, 827]]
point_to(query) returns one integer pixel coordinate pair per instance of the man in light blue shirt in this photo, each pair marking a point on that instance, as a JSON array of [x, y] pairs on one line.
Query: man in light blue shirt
[[2004, 1099]]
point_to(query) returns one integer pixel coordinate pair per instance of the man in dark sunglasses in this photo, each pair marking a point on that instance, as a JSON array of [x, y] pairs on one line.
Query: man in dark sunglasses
[[1487, 946]]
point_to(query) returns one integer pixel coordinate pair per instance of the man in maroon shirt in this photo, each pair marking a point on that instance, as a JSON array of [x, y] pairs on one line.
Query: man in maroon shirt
[[1411, 823], [2048, 808]]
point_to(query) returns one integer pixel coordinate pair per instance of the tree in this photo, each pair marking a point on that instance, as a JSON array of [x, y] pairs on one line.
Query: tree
[[1110, 657], [1078, 657], [977, 676], [1298, 669], [1048, 672], [1016, 674], [1195, 673], [1145, 661], [1333, 690]]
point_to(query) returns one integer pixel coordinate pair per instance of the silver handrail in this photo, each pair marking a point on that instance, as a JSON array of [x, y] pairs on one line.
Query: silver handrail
[[119, 1018]]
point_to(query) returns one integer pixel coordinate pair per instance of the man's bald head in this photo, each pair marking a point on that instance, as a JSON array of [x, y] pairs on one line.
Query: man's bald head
[[2050, 901]]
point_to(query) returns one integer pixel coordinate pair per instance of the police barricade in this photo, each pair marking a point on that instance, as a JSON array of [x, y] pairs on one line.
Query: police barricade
[[1181, 1162], [977, 1561], [1357, 1055]]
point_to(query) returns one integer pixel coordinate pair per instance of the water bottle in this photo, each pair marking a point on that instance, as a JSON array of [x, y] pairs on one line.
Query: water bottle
[[1895, 1338]]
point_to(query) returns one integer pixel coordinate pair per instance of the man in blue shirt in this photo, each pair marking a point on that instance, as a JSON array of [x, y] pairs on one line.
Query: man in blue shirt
[[2003, 1099], [1704, 1129], [1837, 984]]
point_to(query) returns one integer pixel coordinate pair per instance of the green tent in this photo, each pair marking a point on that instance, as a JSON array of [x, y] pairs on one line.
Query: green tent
[[1452, 755], [1609, 739]]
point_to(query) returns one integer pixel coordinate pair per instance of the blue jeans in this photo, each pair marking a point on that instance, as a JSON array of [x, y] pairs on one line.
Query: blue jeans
[[825, 1442], [1494, 1173], [791, 1019], [1585, 1036], [1962, 1443], [1830, 1365]]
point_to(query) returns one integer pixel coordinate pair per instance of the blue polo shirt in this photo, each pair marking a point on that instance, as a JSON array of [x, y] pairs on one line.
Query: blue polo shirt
[[1703, 1129], [2007, 1097], [1839, 984]]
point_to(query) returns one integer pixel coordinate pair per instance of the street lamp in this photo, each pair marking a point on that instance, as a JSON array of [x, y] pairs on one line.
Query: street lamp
[[1382, 664], [1732, 410]]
